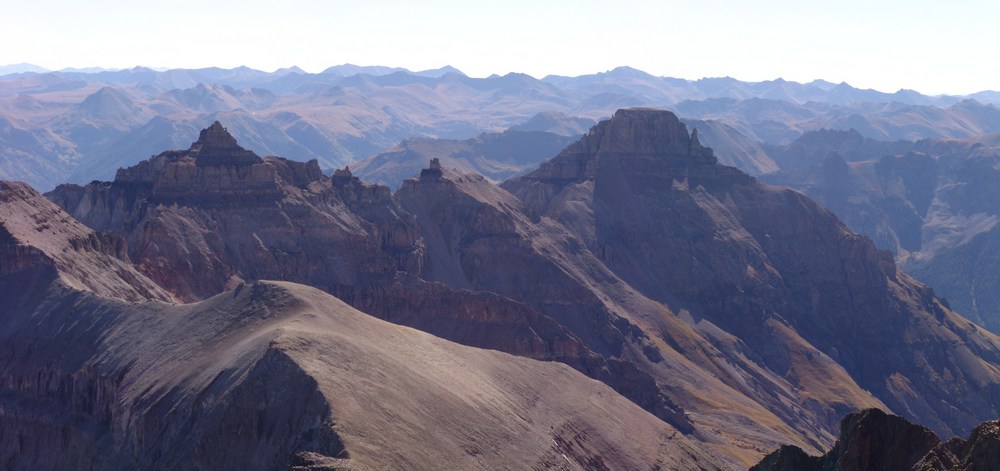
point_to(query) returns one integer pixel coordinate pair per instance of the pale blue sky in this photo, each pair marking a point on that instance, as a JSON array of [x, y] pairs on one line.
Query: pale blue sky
[[931, 46]]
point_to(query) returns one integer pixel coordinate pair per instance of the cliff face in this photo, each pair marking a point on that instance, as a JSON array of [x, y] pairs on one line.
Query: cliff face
[[767, 265], [37, 238], [197, 235], [201, 220], [933, 203]]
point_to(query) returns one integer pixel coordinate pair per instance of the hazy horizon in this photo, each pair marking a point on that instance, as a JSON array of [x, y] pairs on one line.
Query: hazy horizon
[[924, 46]]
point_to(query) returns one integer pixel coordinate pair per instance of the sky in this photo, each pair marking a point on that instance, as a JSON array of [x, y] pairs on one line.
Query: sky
[[934, 47]]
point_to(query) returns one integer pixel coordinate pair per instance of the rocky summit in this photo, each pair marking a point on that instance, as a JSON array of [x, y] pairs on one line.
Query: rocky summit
[[736, 316], [812, 300], [872, 440], [215, 169]]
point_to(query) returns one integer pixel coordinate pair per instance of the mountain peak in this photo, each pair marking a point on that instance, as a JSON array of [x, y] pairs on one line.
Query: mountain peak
[[216, 137], [215, 146], [644, 131], [642, 142], [627, 72]]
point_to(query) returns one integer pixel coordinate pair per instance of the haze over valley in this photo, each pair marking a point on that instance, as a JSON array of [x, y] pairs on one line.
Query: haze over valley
[[58, 127], [648, 235]]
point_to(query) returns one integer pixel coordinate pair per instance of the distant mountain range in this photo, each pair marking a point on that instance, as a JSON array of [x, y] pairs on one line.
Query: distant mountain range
[[78, 126], [21, 68]]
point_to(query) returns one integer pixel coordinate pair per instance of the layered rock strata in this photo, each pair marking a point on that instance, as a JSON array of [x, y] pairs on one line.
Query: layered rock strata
[[745, 316]]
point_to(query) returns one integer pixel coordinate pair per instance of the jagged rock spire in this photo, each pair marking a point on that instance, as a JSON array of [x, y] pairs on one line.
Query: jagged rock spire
[[433, 171]]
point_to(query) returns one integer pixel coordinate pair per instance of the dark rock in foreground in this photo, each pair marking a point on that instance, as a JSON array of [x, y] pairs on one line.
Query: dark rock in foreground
[[876, 441]]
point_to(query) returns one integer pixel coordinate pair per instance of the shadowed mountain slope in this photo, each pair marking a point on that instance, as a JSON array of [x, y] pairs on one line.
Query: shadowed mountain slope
[[274, 375], [38, 234], [766, 265], [933, 203]]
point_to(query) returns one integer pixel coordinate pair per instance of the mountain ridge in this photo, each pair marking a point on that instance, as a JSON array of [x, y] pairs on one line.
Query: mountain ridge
[[339, 119], [738, 210], [749, 302]]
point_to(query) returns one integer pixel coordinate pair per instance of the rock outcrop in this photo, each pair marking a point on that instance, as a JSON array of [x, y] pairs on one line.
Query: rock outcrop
[[202, 220], [873, 440]]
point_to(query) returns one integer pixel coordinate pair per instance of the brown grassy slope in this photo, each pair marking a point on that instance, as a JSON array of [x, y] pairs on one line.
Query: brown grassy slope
[[273, 374]]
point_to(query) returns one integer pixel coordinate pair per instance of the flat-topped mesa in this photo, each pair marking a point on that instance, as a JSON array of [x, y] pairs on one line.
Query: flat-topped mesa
[[644, 131], [655, 140], [637, 144]]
